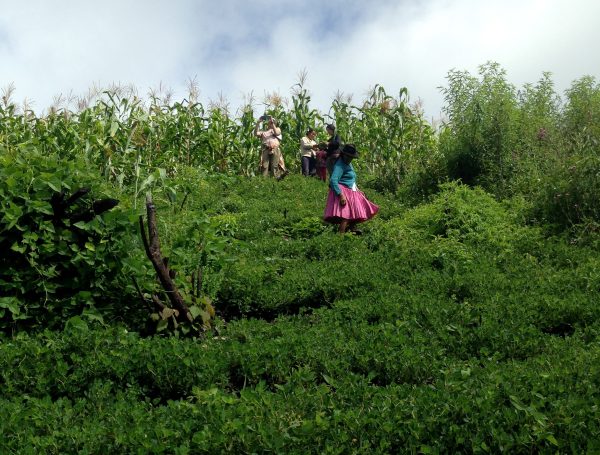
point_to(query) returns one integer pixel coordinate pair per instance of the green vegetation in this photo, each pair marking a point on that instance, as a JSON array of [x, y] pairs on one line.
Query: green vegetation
[[463, 320]]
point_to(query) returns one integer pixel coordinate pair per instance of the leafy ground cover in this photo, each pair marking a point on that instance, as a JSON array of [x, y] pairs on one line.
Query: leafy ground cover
[[452, 326]]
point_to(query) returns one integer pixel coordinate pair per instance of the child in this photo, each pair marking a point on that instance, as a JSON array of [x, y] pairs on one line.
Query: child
[[321, 156]]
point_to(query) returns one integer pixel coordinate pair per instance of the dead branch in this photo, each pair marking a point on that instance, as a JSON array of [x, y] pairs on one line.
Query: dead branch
[[152, 247]]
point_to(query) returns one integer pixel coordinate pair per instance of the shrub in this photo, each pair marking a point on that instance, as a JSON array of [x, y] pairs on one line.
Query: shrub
[[482, 116], [63, 255], [569, 194]]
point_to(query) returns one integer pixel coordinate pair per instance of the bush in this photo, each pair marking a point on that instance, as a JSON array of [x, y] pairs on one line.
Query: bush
[[64, 255], [281, 277], [293, 392], [569, 194], [482, 114]]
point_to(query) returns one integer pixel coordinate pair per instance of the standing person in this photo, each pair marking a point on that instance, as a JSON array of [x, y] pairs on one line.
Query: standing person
[[308, 146], [270, 157], [321, 164], [333, 147], [346, 205]]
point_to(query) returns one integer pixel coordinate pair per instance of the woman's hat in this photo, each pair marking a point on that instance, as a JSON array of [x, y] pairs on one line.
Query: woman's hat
[[350, 150]]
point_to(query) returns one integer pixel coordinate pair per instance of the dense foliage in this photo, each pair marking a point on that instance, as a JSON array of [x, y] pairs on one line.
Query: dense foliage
[[463, 320], [526, 142], [62, 254]]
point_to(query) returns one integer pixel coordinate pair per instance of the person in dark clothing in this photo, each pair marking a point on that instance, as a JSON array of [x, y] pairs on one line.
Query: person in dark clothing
[[333, 147]]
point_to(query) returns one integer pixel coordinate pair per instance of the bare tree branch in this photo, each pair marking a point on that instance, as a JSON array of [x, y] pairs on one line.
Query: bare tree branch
[[152, 246]]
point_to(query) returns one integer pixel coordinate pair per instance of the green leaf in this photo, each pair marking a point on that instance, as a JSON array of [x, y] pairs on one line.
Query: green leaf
[[329, 380], [54, 185], [516, 403], [205, 317], [76, 323], [171, 194], [195, 310], [552, 439], [93, 314], [11, 304], [18, 248], [147, 182], [162, 325]]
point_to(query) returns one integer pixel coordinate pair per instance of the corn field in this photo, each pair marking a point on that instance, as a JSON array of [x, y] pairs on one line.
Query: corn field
[[131, 141]]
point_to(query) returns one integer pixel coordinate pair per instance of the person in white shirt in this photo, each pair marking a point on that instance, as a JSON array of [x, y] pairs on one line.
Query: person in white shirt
[[308, 147]]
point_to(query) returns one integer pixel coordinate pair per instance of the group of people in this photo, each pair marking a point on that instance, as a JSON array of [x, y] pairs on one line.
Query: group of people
[[318, 159], [346, 204]]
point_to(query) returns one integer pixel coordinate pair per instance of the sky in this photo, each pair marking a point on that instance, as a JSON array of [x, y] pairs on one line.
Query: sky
[[237, 49]]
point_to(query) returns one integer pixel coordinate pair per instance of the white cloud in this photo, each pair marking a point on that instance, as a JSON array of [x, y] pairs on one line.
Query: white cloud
[[236, 47], [61, 46]]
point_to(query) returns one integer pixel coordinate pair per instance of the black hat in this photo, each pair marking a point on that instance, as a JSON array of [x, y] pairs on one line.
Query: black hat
[[350, 150]]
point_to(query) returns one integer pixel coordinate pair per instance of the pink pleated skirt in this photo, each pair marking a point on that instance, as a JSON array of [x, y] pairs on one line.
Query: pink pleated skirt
[[357, 209]]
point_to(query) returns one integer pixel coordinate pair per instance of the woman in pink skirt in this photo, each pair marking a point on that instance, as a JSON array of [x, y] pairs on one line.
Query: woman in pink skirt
[[346, 205]]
